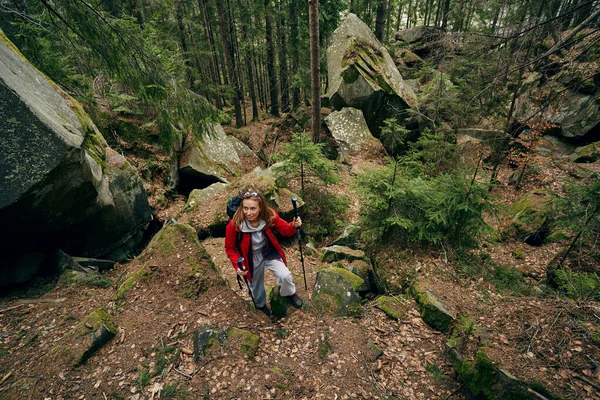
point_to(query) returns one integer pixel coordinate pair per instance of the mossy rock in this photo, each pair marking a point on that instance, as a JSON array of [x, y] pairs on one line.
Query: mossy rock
[[363, 270], [207, 341], [84, 340], [334, 292], [278, 304], [70, 277], [169, 239], [531, 216], [248, 341], [201, 195], [586, 154], [433, 312], [131, 282], [373, 352], [393, 307], [485, 381], [336, 253]]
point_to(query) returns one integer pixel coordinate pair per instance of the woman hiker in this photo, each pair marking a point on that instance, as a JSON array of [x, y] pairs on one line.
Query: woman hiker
[[250, 235]]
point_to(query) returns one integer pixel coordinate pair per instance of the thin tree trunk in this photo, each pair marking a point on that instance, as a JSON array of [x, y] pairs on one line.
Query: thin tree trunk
[[184, 46], [295, 53], [399, 20], [237, 60], [445, 14], [315, 69], [388, 24], [271, 61], [283, 69], [249, 59], [408, 13], [230, 57], [381, 15]]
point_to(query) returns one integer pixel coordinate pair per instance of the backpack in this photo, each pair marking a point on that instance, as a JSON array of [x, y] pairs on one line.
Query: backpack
[[233, 204]]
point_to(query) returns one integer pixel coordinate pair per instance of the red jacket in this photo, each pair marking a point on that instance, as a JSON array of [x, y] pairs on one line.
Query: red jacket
[[231, 234]]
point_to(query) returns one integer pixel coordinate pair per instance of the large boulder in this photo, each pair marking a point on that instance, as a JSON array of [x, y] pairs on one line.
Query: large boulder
[[336, 290], [531, 216], [586, 154], [575, 114], [349, 129], [213, 160], [62, 186], [363, 75]]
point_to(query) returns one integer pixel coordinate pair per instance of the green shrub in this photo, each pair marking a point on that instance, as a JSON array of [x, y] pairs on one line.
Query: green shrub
[[578, 285], [326, 209], [398, 202]]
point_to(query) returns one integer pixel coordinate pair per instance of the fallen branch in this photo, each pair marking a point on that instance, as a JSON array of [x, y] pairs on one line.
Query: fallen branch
[[11, 308], [182, 373], [6, 377], [585, 380]]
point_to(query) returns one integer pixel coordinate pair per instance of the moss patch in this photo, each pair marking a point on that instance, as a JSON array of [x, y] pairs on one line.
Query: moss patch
[[432, 311], [393, 307], [355, 281], [249, 341], [131, 282]]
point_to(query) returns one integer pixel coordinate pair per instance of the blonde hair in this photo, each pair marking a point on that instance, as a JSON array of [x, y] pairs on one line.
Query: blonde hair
[[265, 213]]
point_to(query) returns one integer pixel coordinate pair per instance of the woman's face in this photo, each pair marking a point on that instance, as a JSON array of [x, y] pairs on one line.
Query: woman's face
[[251, 208]]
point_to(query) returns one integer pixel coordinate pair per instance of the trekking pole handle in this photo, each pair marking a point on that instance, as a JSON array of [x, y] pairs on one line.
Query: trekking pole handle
[[294, 200], [239, 262]]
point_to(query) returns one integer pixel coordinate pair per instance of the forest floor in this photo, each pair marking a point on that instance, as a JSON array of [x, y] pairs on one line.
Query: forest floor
[[528, 331]]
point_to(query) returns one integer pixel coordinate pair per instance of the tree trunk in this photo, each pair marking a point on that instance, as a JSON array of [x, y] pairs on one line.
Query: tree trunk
[[283, 69], [271, 61], [313, 22], [294, 51], [399, 20], [184, 46], [380, 19], [445, 14], [214, 70], [249, 59], [230, 57], [408, 13]]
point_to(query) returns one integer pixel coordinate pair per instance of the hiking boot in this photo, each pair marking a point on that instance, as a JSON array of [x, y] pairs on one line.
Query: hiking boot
[[295, 300], [265, 309]]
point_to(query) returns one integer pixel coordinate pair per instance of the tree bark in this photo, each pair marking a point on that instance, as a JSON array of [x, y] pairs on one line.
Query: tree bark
[[313, 21], [283, 69], [271, 61], [184, 46], [294, 51], [445, 14], [230, 58], [380, 19]]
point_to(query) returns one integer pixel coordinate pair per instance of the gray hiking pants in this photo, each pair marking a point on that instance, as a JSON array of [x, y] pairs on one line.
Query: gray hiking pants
[[282, 274]]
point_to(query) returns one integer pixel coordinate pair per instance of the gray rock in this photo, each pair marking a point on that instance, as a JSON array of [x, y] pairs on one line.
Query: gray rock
[[334, 292], [240, 147], [349, 236], [99, 338], [336, 253], [100, 265], [63, 187], [207, 340], [363, 75], [576, 114], [530, 216], [586, 154], [215, 158], [363, 270], [349, 129], [418, 33], [433, 312], [200, 195]]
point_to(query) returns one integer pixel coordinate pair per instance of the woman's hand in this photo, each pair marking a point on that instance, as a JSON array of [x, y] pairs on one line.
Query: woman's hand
[[241, 273], [297, 222]]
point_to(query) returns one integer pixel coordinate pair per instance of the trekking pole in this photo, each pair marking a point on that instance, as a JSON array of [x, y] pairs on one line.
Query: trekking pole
[[240, 266], [299, 241]]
